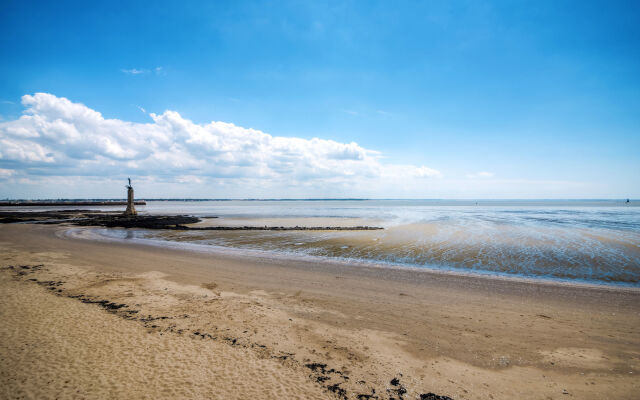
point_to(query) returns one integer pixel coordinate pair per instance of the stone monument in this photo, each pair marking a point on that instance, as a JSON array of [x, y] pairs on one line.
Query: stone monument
[[131, 209]]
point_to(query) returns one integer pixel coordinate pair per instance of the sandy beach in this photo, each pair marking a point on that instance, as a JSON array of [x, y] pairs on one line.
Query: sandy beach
[[89, 319]]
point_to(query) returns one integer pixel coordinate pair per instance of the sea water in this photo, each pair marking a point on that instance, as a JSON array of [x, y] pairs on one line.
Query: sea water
[[595, 241]]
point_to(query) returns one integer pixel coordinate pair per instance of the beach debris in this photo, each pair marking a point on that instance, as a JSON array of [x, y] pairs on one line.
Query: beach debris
[[335, 388], [397, 390], [106, 304], [205, 335], [319, 367], [284, 356], [433, 396], [24, 269], [323, 376], [371, 396], [150, 318]]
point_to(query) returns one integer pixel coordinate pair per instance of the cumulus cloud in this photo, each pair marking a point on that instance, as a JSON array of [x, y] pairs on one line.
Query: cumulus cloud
[[57, 137]]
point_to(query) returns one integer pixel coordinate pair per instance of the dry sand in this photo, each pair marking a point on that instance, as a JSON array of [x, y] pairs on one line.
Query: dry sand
[[86, 319]]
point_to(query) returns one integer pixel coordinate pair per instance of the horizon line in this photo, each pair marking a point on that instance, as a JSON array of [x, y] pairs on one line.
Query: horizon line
[[318, 199]]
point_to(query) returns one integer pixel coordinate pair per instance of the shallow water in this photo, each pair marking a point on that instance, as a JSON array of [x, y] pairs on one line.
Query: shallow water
[[593, 241]]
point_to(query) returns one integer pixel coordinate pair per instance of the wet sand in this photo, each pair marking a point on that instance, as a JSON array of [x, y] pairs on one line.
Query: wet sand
[[114, 320]]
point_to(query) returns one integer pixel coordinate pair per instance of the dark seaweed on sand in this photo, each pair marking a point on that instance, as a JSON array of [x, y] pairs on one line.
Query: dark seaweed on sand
[[175, 222]]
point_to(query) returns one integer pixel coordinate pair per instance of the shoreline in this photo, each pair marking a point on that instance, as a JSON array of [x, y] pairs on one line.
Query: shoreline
[[615, 272], [290, 256], [460, 336]]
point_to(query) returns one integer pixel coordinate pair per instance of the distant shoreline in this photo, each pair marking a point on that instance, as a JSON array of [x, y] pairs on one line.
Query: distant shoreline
[[65, 203], [442, 201]]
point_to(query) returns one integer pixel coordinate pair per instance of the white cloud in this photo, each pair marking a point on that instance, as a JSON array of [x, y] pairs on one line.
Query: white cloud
[[143, 71], [4, 173], [425, 172], [56, 137], [135, 71], [480, 175], [385, 113]]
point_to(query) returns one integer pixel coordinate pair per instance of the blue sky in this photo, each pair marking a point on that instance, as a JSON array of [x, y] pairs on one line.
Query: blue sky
[[507, 99]]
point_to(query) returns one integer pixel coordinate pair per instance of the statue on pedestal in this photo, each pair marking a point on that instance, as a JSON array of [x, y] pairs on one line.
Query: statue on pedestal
[[131, 209]]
